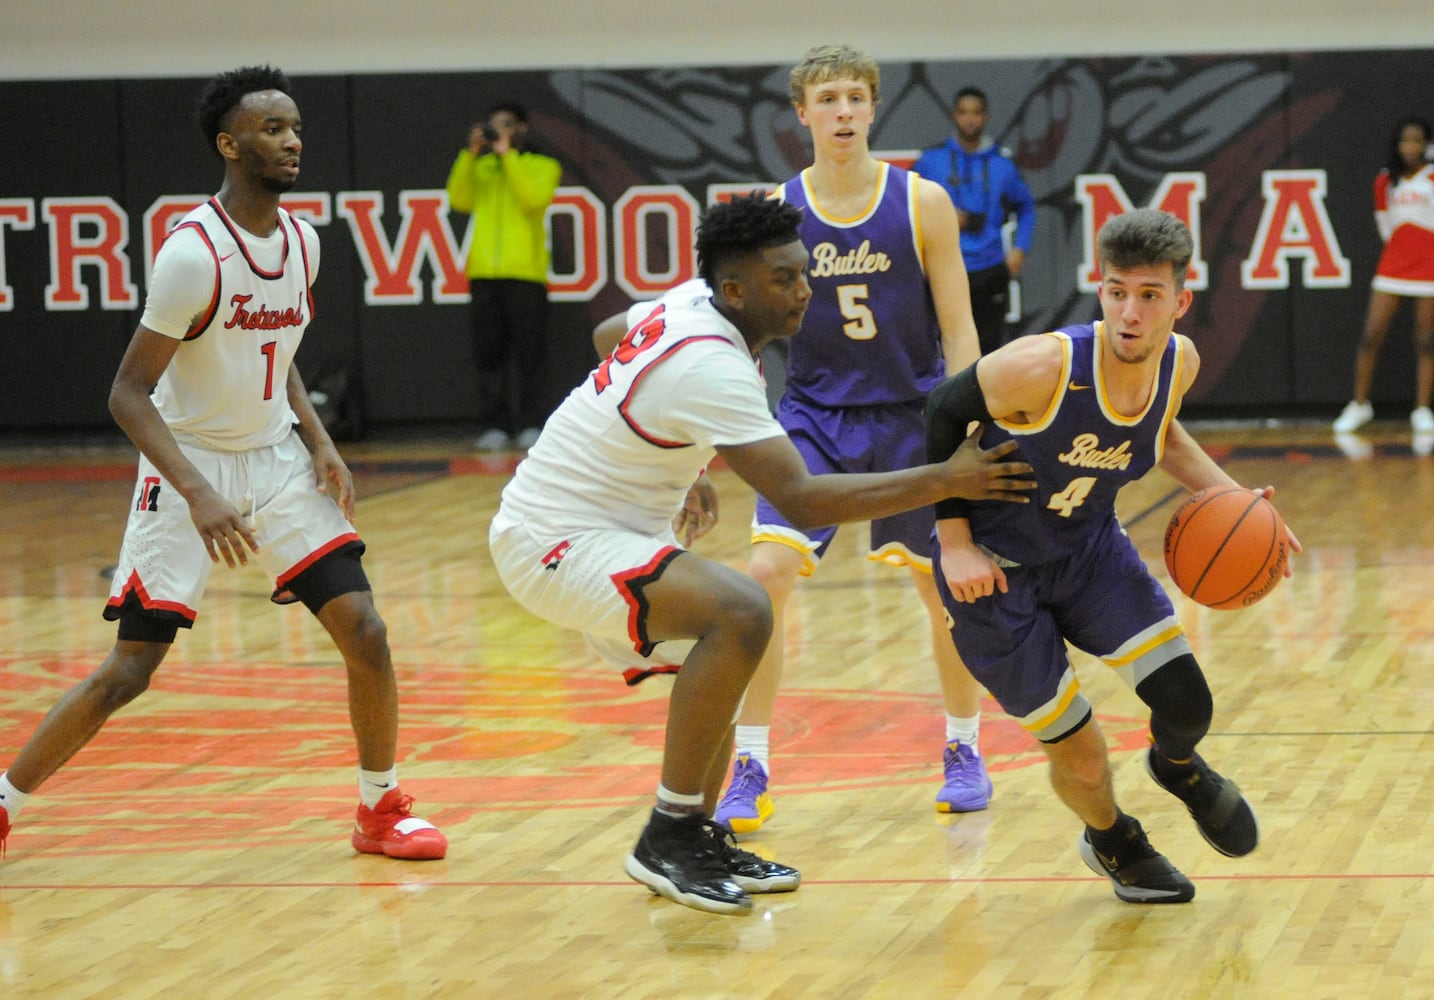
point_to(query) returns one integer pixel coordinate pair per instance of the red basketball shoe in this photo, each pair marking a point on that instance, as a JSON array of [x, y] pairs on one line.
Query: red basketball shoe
[[390, 828]]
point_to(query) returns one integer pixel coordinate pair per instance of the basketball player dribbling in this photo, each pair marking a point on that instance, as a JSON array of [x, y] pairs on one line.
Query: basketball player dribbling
[[234, 460], [1092, 407]]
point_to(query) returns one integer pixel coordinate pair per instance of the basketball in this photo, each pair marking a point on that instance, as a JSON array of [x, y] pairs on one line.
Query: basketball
[[1226, 547]]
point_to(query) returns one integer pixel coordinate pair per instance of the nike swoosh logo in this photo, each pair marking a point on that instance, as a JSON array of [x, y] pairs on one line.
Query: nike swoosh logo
[[1109, 862], [1077, 388], [227, 256]]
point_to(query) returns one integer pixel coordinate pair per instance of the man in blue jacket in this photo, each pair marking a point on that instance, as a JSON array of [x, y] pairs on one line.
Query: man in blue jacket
[[986, 186]]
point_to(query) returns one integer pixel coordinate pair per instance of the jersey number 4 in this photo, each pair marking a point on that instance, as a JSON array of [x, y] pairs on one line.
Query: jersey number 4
[[1075, 494]]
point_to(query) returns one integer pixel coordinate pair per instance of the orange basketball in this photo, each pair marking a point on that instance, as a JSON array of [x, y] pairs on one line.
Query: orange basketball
[[1226, 547]]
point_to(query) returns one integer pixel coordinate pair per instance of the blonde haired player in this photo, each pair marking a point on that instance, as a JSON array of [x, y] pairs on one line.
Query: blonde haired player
[[890, 315]]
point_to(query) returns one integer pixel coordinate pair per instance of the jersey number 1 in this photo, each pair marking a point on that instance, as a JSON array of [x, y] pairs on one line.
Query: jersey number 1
[[268, 351]]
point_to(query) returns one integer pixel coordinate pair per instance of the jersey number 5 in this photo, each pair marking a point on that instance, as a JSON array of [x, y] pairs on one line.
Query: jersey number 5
[[860, 323]]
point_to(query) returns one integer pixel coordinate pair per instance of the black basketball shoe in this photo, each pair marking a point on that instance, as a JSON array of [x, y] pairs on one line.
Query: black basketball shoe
[[1139, 873], [686, 861], [753, 873], [1225, 819]]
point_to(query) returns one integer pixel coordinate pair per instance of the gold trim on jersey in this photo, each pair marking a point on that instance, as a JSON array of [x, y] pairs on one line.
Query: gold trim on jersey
[[913, 211], [1109, 410], [857, 219], [1172, 401], [1044, 420]]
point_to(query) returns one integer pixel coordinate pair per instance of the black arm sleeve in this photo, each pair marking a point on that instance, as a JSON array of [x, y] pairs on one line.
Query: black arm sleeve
[[950, 409]]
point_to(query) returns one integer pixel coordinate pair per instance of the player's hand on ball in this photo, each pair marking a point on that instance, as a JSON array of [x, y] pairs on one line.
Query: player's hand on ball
[[1268, 492]]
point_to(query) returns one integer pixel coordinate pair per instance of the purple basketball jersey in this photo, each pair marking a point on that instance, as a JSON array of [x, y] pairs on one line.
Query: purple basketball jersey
[[1083, 452], [870, 335]]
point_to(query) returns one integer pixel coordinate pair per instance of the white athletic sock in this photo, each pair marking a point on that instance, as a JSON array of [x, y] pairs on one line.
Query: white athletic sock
[[11, 797], [967, 731], [677, 804], [374, 785], [755, 742]]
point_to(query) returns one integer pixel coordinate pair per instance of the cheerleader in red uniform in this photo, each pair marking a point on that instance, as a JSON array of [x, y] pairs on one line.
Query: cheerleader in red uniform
[[1404, 213]]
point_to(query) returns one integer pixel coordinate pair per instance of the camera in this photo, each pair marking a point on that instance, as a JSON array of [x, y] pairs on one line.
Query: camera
[[973, 222], [490, 134]]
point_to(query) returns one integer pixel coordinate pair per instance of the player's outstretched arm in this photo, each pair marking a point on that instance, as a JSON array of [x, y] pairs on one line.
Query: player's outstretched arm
[[775, 469], [1188, 463]]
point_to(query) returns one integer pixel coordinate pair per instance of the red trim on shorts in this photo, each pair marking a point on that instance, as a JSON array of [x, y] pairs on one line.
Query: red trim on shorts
[[313, 557], [635, 675], [136, 587], [630, 583]]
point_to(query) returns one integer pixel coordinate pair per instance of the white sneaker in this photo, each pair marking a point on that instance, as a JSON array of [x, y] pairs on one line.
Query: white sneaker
[[1354, 446], [1354, 416], [529, 436], [1422, 420], [493, 439]]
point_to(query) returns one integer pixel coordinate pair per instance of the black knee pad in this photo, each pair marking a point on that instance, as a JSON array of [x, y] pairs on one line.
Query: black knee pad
[[136, 627], [339, 572], [1180, 706]]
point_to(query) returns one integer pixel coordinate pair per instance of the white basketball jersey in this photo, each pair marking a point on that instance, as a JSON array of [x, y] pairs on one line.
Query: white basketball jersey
[[227, 386], [625, 446]]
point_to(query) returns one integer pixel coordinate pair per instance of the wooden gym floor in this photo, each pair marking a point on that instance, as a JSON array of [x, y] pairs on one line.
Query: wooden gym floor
[[198, 847]]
